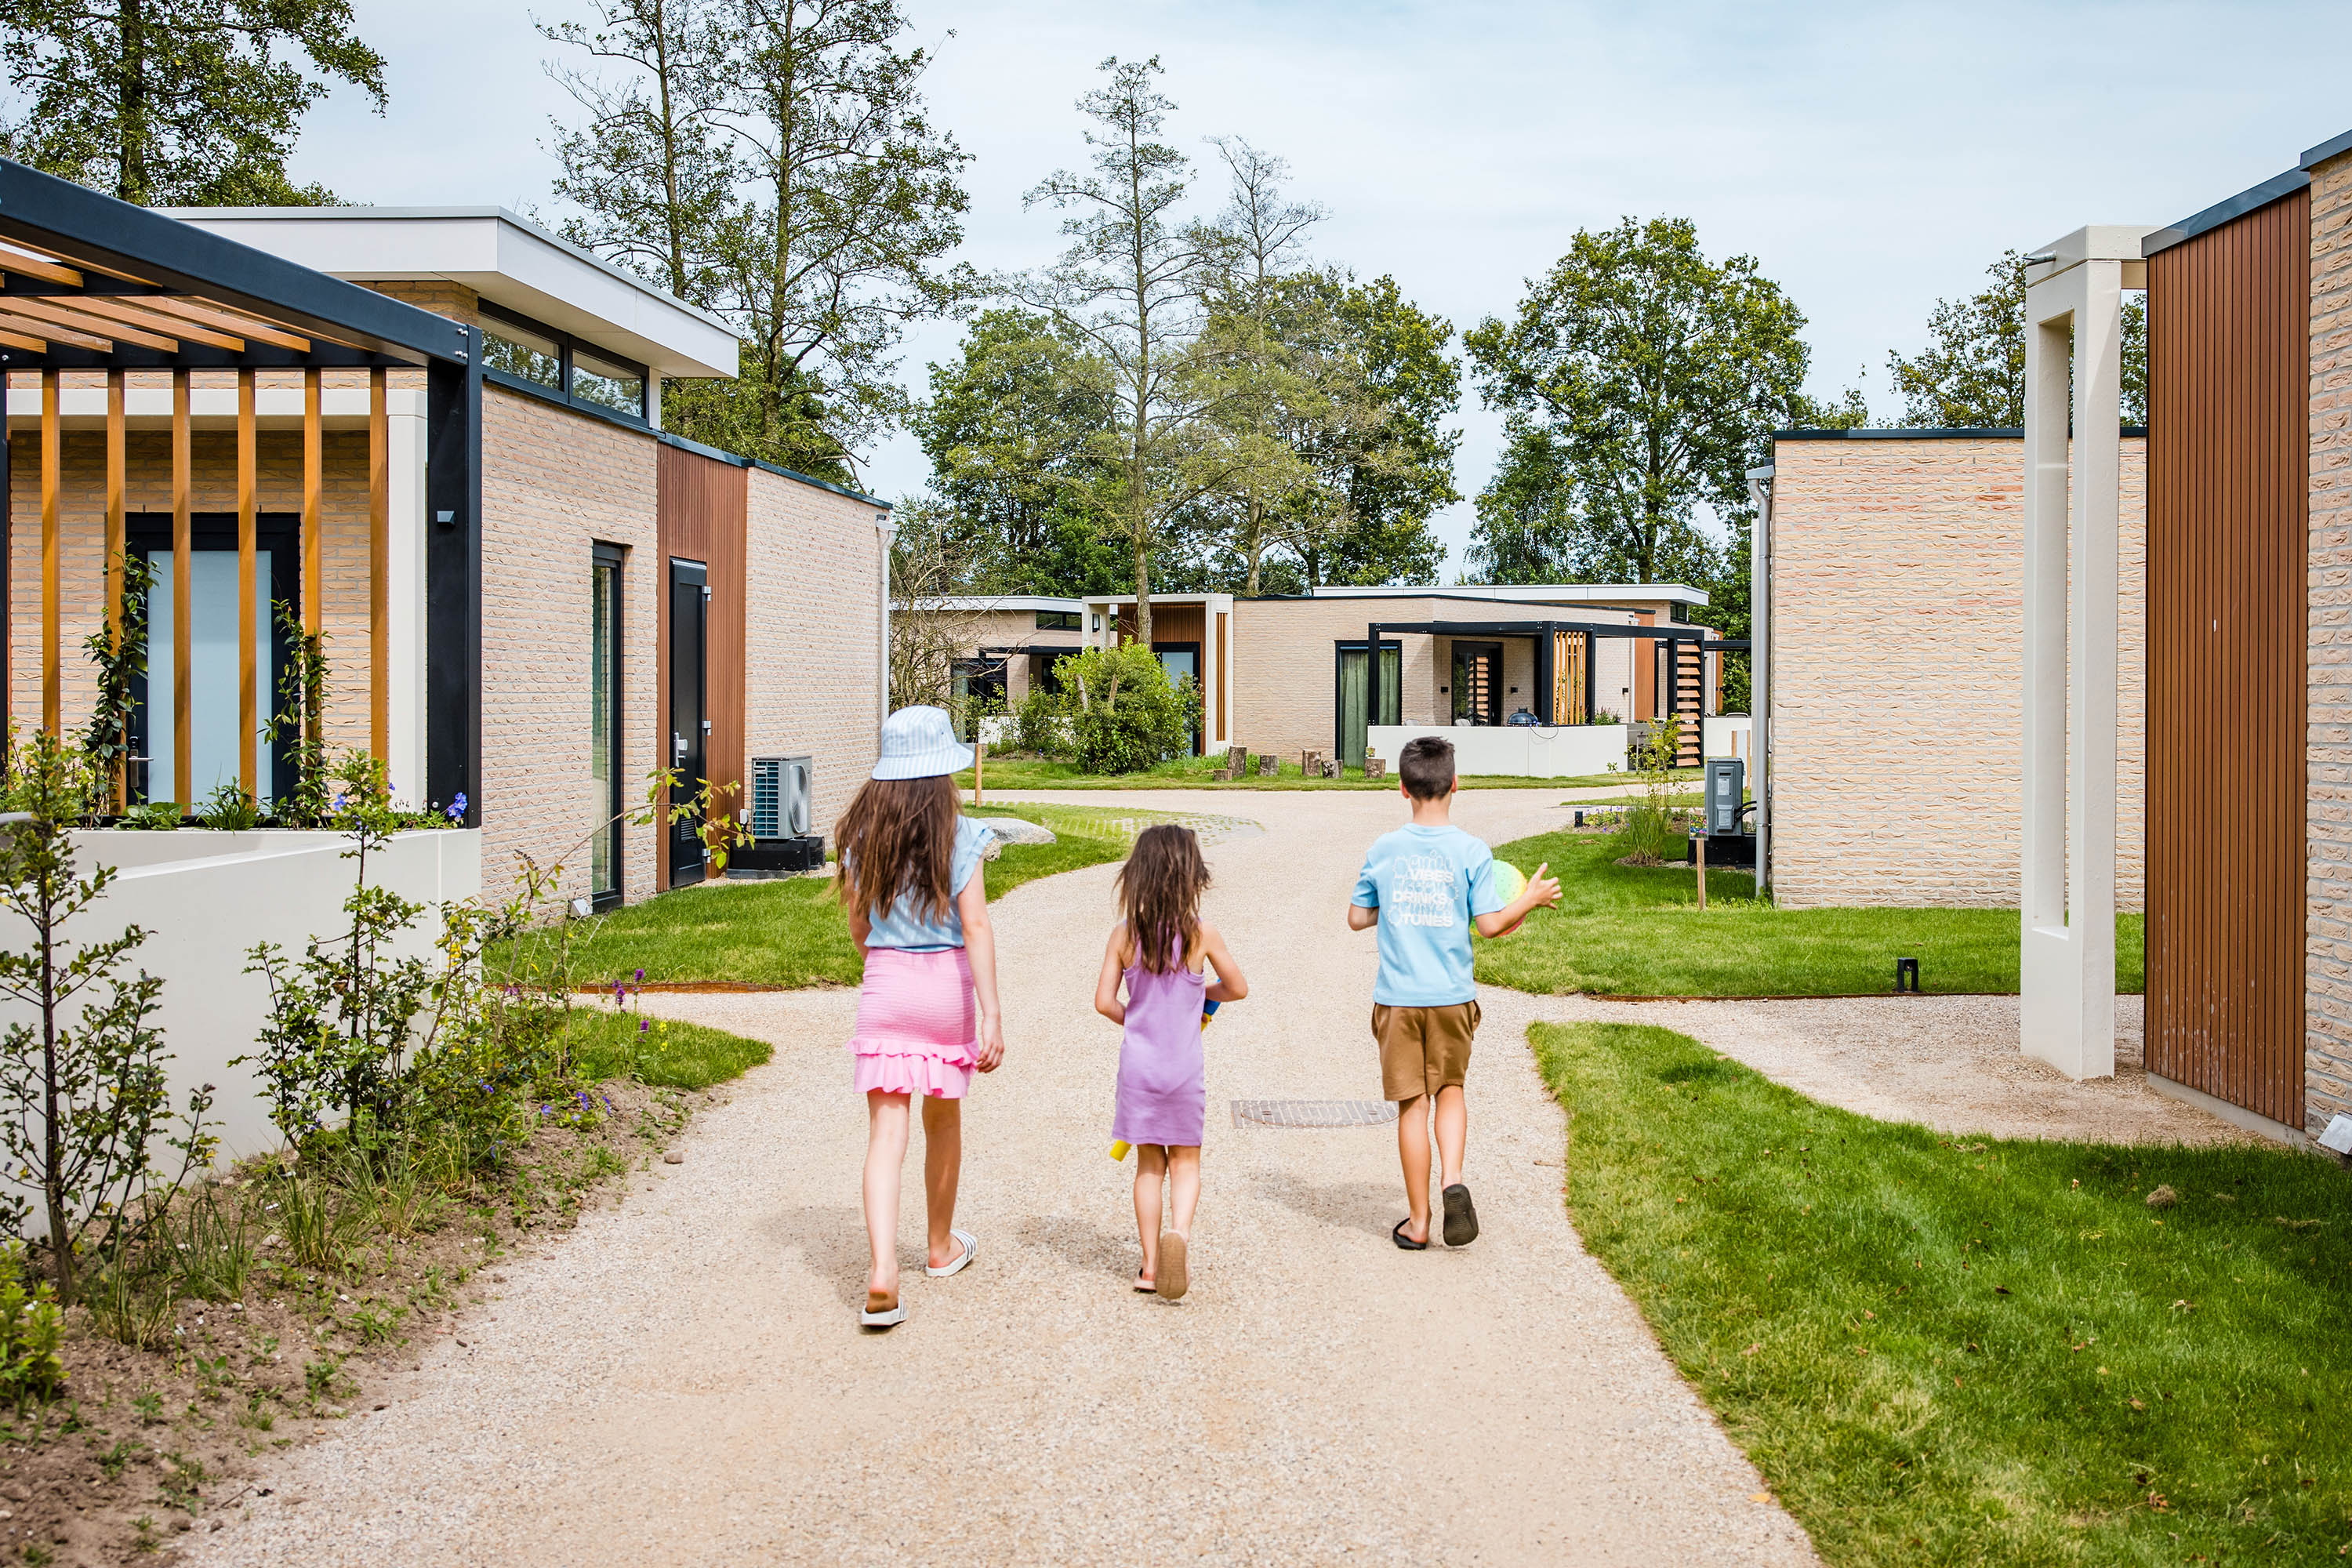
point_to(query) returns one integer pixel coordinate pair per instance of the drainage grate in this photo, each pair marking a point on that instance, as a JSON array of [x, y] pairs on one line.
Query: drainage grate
[[1313, 1112]]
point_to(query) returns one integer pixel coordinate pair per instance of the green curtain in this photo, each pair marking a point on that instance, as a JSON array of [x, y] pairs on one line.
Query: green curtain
[[1351, 699]]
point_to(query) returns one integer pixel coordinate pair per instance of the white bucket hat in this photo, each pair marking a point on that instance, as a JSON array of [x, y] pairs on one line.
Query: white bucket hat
[[919, 743]]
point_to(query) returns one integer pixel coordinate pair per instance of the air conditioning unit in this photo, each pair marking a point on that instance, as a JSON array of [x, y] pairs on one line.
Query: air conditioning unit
[[782, 806], [782, 797]]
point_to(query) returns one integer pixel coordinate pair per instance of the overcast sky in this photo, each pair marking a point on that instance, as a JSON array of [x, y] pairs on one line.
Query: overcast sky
[[1871, 158]]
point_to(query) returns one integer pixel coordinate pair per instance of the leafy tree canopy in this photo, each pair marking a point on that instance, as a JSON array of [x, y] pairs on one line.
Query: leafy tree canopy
[[176, 103], [1972, 372], [1636, 382]]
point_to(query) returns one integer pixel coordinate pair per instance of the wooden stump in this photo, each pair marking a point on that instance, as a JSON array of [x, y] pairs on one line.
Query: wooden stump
[[1221, 775], [1310, 764], [1237, 759], [1375, 767], [1267, 767]]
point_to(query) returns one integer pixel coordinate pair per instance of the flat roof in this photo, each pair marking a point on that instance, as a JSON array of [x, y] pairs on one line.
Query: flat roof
[[2260, 195], [985, 602], [1532, 593], [504, 258]]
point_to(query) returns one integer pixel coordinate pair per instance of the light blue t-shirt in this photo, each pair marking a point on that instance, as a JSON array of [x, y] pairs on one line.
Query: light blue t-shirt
[[903, 925], [1427, 883]]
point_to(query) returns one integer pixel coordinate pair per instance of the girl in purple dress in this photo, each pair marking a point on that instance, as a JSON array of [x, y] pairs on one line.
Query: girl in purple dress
[[1161, 950]]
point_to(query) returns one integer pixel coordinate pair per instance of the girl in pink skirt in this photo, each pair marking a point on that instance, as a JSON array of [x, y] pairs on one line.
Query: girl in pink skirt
[[918, 904], [1162, 952]]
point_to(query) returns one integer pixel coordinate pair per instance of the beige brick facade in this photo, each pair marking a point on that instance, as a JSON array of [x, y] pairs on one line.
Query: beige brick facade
[[554, 485], [814, 631], [1897, 628], [2328, 935]]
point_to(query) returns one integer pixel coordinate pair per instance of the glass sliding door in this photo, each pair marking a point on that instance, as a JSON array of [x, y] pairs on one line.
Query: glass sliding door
[[1182, 660], [215, 660], [605, 724], [1351, 716]]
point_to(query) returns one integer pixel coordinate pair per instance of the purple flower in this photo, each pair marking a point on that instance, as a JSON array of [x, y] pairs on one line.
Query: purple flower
[[643, 1026], [641, 977], [458, 807]]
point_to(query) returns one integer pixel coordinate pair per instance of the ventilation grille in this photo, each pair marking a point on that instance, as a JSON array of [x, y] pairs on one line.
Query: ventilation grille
[[780, 796]]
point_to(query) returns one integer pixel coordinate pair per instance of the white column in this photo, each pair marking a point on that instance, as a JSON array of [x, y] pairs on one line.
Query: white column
[[885, 530], [2073, 313], [405, 493], [1759, 666]]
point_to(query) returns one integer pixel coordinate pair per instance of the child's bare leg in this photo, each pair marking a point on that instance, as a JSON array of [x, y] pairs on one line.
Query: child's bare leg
[[1150, 1166], [1183, 1186], [1453, 1133], [1412, 1153], [942, 1163], [886, 1150]]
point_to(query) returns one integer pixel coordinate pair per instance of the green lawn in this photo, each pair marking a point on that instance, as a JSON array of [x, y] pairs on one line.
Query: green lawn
[[1192, 772], [667, 1052], [1975, 1352], [1637, 931], [792, 932]]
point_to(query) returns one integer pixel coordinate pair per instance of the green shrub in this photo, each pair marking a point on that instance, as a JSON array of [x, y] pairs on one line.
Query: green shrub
[[1128, 714], [1042, 726], [30, 1329]]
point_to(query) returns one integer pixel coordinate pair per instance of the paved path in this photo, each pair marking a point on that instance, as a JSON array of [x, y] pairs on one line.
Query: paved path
[[680, 1379]]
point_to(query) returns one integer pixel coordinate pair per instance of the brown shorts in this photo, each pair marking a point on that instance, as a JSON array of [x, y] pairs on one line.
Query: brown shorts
[[1423, 1049]]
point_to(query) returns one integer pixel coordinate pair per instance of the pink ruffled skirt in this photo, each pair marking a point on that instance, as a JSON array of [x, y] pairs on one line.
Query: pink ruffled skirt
[[917, 1023]]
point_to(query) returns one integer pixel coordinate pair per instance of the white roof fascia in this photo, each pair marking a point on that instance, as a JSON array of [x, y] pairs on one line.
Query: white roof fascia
[[985, 602], [1211, 599], [505, 258], [1533, 594]]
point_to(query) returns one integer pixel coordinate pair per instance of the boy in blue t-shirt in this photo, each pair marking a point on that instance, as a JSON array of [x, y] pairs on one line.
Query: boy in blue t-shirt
[[1433, 882]]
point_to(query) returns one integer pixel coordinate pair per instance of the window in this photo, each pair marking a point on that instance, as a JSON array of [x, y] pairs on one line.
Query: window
[[1057, 620], [520, 352], [607, 383], [605, 722]]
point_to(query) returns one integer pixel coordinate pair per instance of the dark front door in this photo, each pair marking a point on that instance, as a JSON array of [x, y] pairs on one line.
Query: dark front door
[[690, 725], [1478, 682]]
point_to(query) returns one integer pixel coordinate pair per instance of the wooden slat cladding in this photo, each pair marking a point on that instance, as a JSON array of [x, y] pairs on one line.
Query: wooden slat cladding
[[2230, 359], [704, 512]]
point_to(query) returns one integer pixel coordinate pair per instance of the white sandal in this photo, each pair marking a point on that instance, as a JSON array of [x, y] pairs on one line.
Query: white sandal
[[970, 1247], [889, 1317]]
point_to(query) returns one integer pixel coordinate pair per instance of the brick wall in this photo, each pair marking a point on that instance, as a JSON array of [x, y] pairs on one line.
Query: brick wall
[[813, 621], [441, 297], [1898, 631], [554, 485], [2328, 935]]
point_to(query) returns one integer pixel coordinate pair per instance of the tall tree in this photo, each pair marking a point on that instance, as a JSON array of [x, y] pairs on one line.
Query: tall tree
[[1972, 372], [1016, 428], [777, 164], [649, 173], [1635, 381], [1403, 474], [1128, 287], [176, 103]]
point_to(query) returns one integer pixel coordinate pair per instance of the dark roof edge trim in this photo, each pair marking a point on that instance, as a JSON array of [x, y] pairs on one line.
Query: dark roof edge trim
[[1924, 433], [2219, 213], [93, 229], [1459, 598], [2327, 149], [670, 439]]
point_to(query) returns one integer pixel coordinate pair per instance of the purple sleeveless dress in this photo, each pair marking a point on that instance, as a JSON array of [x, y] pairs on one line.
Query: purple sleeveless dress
[[1163, 1095]]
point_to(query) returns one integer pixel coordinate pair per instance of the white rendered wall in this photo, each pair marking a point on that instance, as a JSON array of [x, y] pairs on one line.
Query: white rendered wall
[[1727, 735], [205, 898], [1523, 751]]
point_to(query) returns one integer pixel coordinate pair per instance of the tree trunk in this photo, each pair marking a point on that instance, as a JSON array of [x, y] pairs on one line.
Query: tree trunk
[[132, 177], [52, 1153]]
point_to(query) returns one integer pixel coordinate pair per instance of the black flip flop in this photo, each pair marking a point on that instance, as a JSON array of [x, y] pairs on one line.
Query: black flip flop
[[1461, 1219], [1403, 1240]]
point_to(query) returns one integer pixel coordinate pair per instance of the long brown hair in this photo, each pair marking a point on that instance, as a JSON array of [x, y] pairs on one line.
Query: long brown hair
[[899, 836], [1160, 892]]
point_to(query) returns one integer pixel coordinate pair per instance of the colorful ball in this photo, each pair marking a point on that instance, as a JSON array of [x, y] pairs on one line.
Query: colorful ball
[[1509, 880]]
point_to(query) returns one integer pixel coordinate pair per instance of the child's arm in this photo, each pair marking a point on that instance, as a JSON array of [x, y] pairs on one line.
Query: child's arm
[[1541, 889], [1362, 919], [1114, 965], [860, 927], [980, 947], [1231, 985]]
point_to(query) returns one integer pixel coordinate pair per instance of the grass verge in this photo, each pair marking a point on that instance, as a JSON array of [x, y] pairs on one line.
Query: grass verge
[[666, 1053], [1629, 930], [792, 932], [1192, 772], [1975, 1352]]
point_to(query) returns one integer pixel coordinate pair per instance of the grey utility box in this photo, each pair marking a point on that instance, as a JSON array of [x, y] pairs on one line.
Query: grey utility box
[[1726, 783]]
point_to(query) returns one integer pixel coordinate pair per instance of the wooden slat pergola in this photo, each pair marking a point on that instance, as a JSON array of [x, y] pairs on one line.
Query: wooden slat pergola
[[88, 283]]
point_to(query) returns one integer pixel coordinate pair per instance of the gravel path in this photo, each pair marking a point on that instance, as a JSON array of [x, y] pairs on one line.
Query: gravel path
[[680, 1379]]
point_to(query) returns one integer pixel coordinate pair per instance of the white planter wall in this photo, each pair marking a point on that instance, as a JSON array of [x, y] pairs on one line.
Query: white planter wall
[[1728, 735], [1526, 751], [205, 898]]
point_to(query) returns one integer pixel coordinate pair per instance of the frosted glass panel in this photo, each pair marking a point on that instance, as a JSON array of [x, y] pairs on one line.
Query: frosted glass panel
[[213, 664]]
